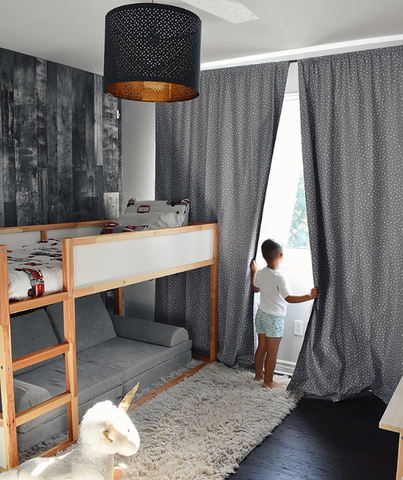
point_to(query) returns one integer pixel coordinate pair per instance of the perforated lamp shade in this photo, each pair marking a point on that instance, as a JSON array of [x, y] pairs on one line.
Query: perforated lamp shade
[[152, 53]]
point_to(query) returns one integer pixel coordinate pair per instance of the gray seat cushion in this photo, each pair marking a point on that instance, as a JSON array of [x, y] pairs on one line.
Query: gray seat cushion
[[93, 322], [130, 357], [30, 332], [92, 381]]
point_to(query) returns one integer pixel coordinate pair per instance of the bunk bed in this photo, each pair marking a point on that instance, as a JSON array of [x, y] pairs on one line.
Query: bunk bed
[[92, 264]]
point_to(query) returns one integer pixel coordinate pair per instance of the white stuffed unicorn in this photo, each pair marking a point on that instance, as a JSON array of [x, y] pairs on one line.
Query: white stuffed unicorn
[[104, 430]]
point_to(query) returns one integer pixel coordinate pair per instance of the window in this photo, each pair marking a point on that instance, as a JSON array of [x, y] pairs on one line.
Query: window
[[284, 220], [284, 215]]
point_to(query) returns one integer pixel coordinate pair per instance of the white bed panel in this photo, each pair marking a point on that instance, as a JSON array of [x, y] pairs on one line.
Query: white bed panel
[[109, 261]]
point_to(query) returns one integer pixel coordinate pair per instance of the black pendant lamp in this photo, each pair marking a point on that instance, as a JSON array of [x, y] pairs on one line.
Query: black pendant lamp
[[152, 53]]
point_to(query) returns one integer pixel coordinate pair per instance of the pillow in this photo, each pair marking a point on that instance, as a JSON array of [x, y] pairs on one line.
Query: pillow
[[93, 322], [149, 331], [112, 227], [156, 213]]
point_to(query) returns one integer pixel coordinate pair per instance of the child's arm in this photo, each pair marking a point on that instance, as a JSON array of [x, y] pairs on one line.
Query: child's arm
[[302, 298], [254, 268]]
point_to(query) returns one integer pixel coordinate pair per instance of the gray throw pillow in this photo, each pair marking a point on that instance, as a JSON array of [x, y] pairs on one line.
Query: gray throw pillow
[[93, 322]]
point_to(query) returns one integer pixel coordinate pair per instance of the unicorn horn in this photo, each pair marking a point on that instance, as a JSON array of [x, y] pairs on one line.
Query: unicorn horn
[[125, 403]]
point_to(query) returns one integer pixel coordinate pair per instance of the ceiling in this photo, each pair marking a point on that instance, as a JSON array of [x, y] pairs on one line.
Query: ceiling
[[71, 32]]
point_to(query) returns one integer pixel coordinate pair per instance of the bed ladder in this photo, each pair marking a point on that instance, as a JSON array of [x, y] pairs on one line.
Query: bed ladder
[[10, 420]]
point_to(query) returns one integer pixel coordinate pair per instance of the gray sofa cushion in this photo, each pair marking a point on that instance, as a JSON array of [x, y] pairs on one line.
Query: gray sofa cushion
[[92, 381], [148, 331], [93, 322], [130, 356], [149, 377], [30, 332], [27, 395]]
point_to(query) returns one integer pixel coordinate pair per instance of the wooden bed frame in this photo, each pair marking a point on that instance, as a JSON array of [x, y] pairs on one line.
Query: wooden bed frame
[[174, 250]]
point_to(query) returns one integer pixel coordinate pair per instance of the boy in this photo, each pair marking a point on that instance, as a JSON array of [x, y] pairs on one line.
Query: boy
[[269, 320]]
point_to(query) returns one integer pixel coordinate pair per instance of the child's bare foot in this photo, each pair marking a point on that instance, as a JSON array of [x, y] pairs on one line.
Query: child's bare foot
[[272, 385], [257, 378]]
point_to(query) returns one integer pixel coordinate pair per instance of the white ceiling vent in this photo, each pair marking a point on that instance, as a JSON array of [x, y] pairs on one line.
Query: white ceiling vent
[[229, 10]]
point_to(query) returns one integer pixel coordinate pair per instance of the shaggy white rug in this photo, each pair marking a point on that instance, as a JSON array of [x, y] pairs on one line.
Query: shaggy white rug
[[203, 427]]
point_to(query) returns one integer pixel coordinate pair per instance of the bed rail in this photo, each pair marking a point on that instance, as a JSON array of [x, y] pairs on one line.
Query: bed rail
[[44, 229]]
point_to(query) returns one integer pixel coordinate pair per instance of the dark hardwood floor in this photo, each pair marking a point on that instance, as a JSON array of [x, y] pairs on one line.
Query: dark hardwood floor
[[322, 440]]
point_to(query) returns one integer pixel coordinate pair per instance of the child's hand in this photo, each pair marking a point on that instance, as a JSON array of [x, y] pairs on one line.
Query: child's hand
[[313, 293], [253, 266]]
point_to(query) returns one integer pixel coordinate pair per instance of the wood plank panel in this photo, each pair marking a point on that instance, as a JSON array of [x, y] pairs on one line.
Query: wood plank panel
[[98, 149], [79, 153], [64, 143], [41, 132], [112, 168], [52, 153], [58, 122], [26, 140], [8, 136], [90, 162]]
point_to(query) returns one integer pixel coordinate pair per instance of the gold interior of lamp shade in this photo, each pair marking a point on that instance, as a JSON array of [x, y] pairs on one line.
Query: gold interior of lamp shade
[[150, 91]]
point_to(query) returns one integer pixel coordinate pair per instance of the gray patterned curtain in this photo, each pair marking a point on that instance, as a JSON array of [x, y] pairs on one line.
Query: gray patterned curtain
[[216, 151], [352, 129]]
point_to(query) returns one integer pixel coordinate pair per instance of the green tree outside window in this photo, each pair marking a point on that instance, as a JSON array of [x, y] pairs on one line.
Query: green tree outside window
[[298, 235]]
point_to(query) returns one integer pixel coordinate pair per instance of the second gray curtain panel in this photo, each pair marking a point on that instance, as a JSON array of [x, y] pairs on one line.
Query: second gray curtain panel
[[216, 151], [352, 132]]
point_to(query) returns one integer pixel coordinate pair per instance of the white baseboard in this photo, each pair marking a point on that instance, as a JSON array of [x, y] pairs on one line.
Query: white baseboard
[[284, 368]]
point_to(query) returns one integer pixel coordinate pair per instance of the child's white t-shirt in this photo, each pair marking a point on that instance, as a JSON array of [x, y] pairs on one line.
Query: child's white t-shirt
[[273, 288]]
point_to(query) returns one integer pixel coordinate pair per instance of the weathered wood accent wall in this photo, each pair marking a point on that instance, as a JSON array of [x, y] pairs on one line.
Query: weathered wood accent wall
[[60, 147]]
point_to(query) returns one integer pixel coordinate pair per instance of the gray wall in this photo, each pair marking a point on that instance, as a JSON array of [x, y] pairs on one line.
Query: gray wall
[[138, 151], [138, 144], [60, 144]]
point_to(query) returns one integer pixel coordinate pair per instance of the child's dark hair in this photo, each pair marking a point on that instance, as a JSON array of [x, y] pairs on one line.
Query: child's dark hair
[[271, 250]]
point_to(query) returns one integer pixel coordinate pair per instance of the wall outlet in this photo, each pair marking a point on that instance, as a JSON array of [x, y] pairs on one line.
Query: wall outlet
[[298, 327]]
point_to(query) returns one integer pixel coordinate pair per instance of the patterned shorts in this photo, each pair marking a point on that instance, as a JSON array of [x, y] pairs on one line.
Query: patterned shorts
[[270, 325]]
